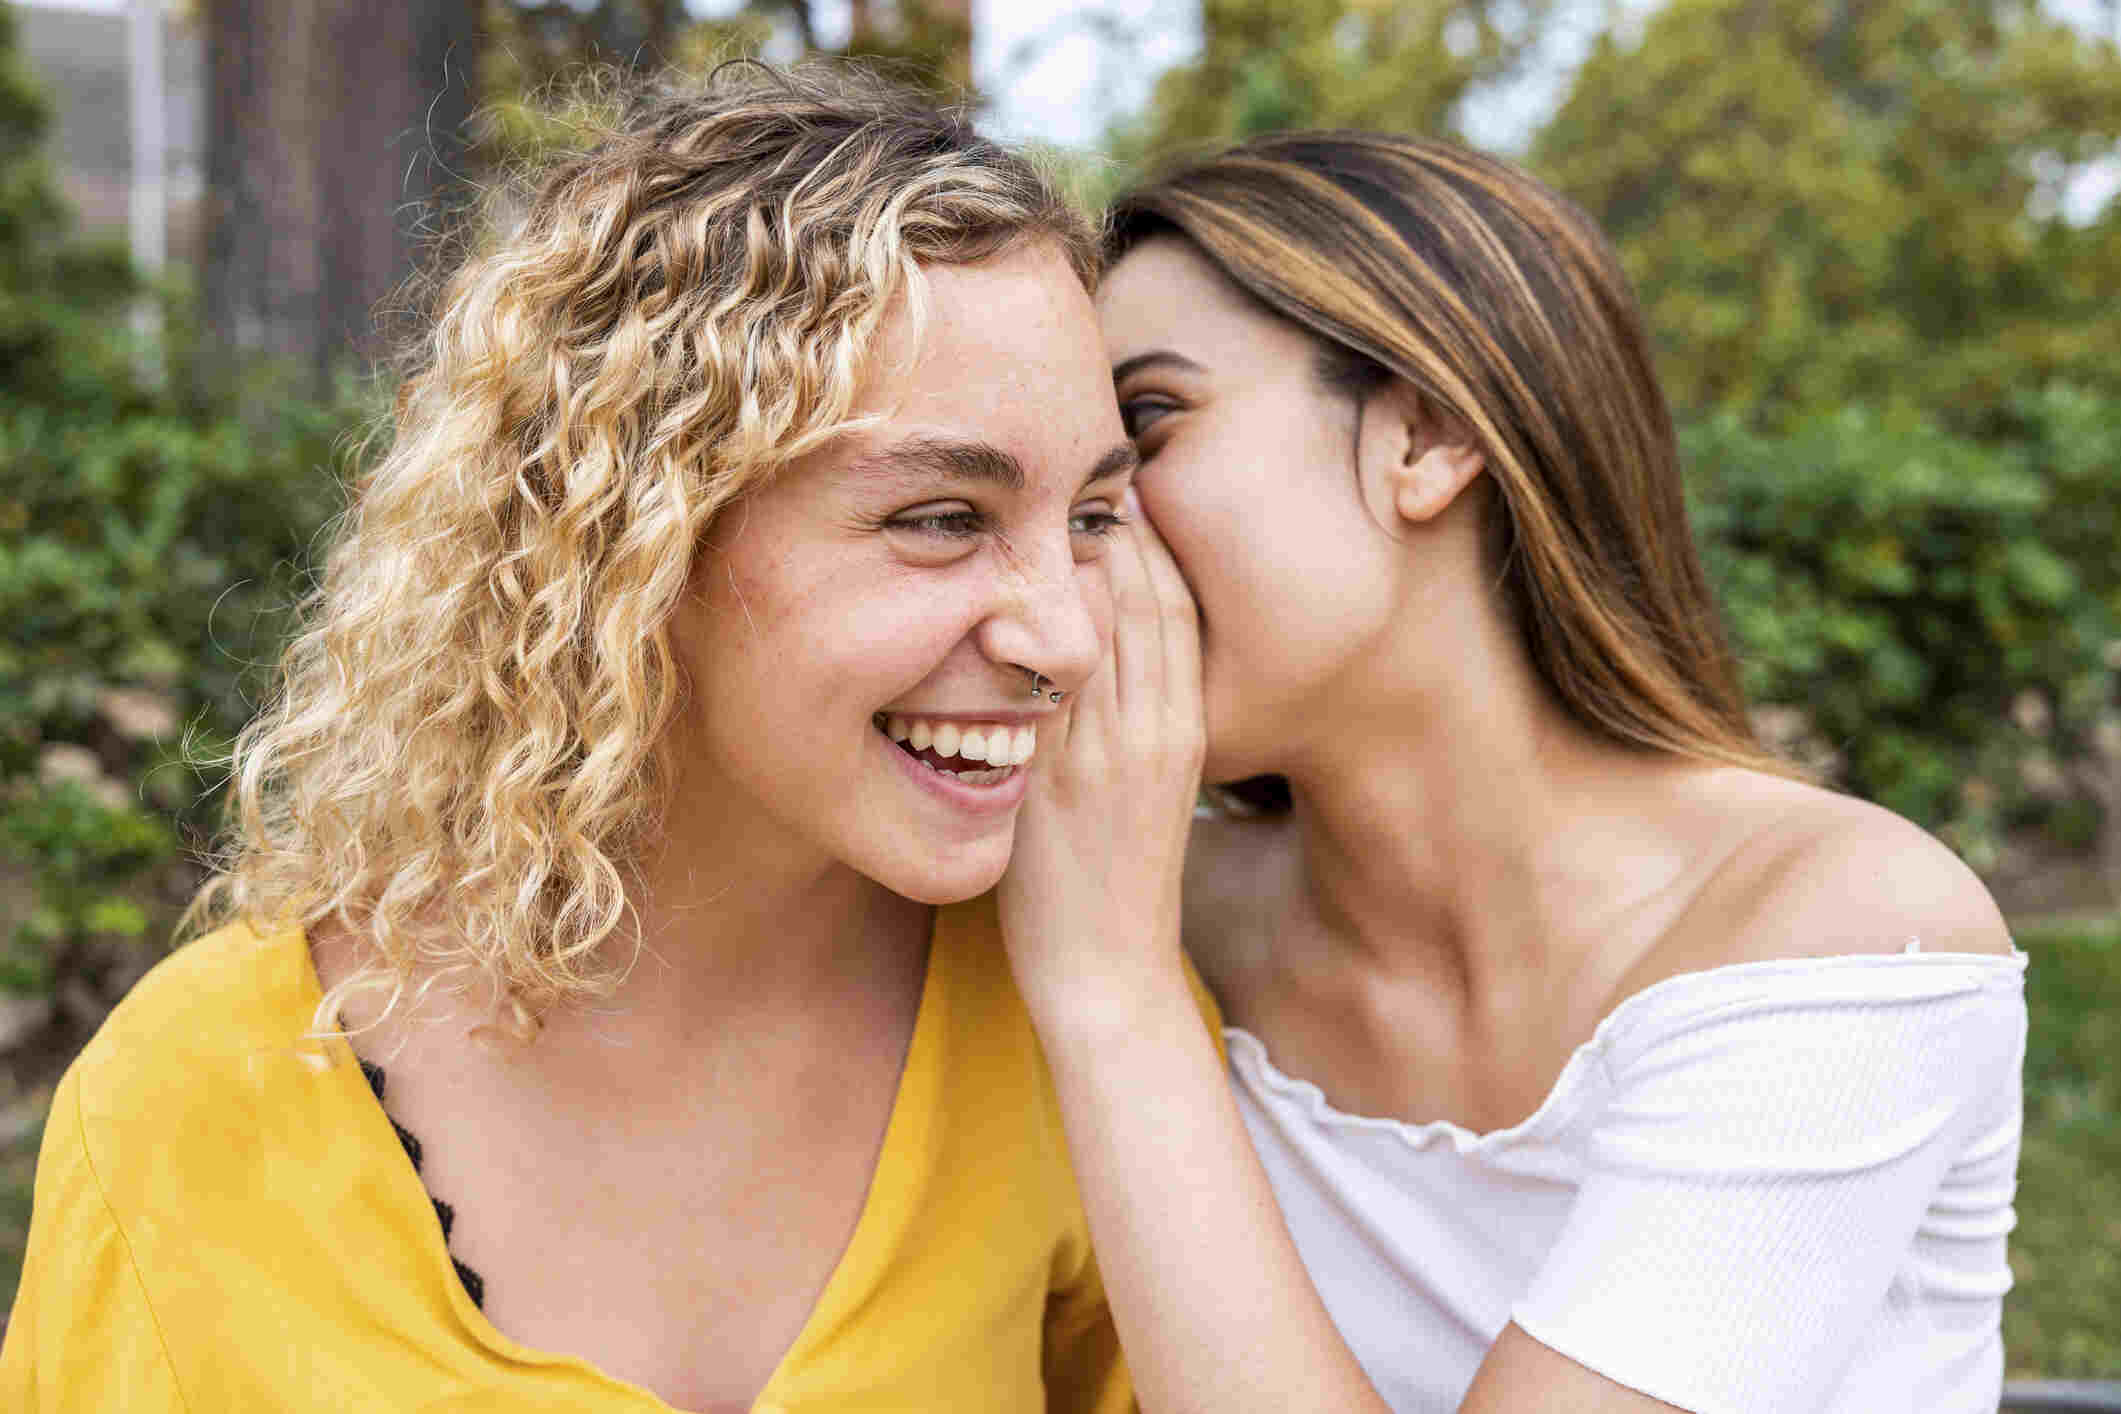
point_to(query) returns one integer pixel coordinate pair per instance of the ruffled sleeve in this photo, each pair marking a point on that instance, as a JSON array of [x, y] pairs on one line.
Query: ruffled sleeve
[[1785, 1152]]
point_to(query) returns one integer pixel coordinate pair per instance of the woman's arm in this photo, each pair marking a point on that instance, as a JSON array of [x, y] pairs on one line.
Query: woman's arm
[[1520, 1374], [1213, 1305], [1212, 1301]]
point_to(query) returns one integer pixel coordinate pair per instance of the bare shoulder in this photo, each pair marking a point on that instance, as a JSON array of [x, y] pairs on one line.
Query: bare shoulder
[[1818, 874], [1232, 866]]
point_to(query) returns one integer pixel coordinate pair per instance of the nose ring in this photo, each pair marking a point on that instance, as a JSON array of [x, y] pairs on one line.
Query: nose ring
[[1038, 687]]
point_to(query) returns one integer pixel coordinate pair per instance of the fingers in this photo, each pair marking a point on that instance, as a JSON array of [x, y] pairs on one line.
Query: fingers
[[1147, 693], [1093, 713], [1137, 628], [1176, 610]]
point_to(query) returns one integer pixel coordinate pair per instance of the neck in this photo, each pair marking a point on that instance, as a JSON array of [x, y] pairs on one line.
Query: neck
[[740, 925], [1454, 822]]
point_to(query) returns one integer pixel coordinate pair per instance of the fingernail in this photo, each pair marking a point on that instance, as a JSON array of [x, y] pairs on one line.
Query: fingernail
[[1131, 500]]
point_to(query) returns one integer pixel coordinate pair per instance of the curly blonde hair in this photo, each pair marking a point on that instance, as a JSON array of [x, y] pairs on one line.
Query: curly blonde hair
[[466, 748]]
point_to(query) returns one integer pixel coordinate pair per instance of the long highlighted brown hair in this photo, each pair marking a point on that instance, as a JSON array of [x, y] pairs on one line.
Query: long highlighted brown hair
[[1503, 306]]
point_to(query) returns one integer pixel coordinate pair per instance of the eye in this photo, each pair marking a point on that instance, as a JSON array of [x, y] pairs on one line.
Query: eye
[[945, 522], [1090, 525], [1095, 520], [1138, 414]]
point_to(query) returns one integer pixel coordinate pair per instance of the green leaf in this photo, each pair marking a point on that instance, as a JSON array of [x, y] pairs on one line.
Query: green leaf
[[115, 915]]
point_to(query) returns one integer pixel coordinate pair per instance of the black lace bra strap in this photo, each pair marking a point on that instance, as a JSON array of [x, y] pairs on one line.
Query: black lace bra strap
[[474, 1284]]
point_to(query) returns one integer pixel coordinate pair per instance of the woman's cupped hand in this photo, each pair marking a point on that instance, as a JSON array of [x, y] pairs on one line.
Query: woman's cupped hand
[[1090, 904]]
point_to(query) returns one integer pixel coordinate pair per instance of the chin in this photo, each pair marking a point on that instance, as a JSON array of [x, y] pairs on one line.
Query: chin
[[1248, 731], [1229, 756], [975, 870]]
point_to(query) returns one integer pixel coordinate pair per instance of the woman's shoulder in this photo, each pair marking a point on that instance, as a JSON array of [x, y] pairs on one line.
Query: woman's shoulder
[[212, 993], [193, 1038], [1816, 874]]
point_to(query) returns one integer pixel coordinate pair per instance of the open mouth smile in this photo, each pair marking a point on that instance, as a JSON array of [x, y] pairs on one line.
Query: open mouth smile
[[972, 754]]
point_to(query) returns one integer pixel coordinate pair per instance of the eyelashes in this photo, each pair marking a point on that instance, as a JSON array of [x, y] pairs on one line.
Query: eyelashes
[[969, 524], [1137, 415], [1096, 522], [950, 525]]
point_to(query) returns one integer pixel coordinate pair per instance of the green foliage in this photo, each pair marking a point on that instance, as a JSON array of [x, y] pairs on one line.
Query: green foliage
[[18, 1166], [151, 566], [150, 523], [2063, 1317], [1852, 200], [82, 848], [540, 52], [1270, 64], [1905, 586]]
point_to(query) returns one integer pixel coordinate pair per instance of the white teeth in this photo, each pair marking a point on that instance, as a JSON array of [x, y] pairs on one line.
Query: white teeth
[[996, 744]]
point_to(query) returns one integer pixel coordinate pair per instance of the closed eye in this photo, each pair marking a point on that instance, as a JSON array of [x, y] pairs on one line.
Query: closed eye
[[1138, 415]]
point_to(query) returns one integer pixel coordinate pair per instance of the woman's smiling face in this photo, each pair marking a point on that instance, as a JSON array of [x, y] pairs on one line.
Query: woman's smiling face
[[907, 581]]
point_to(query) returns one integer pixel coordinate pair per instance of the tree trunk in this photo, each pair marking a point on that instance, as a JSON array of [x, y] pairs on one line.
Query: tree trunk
[[334, 146], [263, 272]]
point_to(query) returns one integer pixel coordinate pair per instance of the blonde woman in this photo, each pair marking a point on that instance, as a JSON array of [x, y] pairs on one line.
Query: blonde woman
[[740, 544], [1580, 1057]]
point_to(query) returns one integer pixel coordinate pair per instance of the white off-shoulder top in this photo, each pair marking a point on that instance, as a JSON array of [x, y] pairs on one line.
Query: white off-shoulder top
[[1765, 1188]]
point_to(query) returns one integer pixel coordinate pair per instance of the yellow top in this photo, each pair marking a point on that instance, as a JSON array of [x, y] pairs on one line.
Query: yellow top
[[220, 1225]]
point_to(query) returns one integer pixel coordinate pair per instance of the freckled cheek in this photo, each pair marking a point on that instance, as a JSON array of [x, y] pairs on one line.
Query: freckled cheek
[[877, 641], [779, 637]]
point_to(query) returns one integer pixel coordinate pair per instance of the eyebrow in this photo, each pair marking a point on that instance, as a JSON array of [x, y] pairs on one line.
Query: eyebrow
[[1155, 358], [954, 460], [921, 457], [1116, 462]]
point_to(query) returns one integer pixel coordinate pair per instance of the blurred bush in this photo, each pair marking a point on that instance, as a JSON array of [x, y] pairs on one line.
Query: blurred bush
[[150, 562], [152, 519], [1934, 621]]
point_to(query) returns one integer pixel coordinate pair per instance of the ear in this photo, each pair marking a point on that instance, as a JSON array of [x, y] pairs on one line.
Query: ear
[[1428, 486], [1414, 462]]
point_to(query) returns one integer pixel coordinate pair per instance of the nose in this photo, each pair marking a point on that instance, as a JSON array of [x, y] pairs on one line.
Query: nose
[[1043, 618]]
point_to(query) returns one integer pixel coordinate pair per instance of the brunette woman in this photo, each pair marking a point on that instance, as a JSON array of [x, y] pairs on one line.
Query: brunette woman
[[1591, 1058]]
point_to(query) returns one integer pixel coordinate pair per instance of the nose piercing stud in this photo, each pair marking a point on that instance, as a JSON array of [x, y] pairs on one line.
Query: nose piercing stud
[[1038, 687]]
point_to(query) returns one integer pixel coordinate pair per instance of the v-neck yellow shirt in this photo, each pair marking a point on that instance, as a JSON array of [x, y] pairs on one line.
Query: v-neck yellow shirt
[[222, 1223]]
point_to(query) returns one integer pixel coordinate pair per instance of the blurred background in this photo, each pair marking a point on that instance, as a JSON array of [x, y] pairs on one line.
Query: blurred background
[[1878, 242]]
